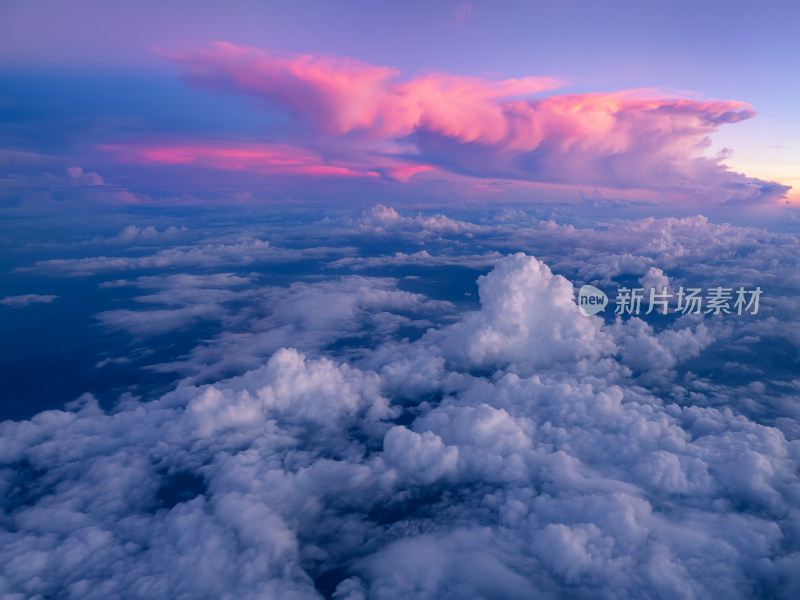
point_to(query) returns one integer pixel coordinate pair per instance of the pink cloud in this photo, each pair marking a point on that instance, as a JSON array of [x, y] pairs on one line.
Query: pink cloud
[[405, 171], [626, 139], [340, 95], [259, 158], [77, 175], [635, 139]]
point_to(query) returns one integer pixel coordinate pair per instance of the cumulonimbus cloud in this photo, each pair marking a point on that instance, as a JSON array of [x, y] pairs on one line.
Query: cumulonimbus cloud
[[371, 116]]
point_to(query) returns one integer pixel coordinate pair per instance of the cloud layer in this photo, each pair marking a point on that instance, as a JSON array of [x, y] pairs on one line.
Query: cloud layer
[[523, 450]]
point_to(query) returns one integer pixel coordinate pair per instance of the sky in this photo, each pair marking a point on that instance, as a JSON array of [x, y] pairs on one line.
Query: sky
[[291, 300], [678, 104]]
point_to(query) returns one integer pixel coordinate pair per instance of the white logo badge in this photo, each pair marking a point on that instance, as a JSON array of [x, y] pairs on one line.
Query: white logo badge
[[591, 300]]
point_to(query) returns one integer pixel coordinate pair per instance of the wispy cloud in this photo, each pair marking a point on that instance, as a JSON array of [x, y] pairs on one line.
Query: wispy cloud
[[26, 299], [260, 158]]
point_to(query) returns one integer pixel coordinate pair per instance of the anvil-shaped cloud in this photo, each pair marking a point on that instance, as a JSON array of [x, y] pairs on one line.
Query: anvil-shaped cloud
[[353, 118]]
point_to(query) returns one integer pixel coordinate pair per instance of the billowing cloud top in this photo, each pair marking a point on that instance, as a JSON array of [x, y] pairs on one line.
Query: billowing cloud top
[[338, 95]]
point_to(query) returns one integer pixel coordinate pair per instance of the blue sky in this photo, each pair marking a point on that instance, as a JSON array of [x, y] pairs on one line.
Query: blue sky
[[109, 82]]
